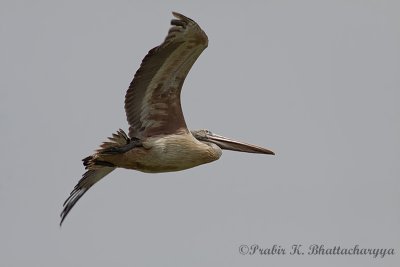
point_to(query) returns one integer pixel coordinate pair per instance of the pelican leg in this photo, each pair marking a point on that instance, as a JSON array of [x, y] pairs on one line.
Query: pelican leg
[[121, 149]]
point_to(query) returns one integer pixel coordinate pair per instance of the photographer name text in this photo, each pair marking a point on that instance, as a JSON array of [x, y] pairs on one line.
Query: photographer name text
[[315, 249]]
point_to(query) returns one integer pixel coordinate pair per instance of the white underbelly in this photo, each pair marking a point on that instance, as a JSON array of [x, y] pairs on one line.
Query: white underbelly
[[175, 153]]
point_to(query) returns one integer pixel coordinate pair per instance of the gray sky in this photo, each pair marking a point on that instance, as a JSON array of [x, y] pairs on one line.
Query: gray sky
[[315, 81]]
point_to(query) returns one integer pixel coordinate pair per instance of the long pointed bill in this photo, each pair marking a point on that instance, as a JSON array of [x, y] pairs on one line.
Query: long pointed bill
[[229, 144]]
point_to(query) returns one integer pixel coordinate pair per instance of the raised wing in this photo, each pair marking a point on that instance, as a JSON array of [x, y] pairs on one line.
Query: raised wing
[[152, 102]]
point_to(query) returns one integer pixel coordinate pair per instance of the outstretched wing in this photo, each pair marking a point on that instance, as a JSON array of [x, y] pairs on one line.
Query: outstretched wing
[[97, 168], [89, 178], [152, 102]]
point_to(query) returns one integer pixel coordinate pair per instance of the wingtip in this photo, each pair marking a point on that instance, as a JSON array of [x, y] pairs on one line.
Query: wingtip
[[181, 16], [63, 216], [176, 14]]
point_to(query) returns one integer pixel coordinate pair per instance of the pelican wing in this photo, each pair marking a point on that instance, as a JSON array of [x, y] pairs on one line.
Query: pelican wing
[[89, 178], [152, 102]]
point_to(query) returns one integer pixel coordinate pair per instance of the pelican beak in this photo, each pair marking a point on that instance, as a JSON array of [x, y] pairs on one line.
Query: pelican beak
[[229, 144]]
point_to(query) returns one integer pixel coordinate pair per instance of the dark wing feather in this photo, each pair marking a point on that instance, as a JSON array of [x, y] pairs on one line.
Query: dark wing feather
[[152, 102], [89, 178], [97, 168]]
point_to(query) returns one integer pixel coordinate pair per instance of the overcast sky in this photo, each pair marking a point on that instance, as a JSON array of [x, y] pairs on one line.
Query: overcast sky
[[318, 82]]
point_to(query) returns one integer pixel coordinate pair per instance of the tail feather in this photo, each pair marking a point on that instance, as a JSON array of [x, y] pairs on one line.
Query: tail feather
[[118, 139], [96, 169]]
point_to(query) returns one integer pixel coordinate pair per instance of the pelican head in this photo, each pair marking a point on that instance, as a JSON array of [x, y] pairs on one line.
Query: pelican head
[[207, 136]]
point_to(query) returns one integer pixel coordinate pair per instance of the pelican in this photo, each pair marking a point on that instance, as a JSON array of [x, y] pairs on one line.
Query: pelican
[[158, 139]]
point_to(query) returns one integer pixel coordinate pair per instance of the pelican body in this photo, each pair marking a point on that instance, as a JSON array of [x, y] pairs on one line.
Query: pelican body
[[158, 138], [169, 153]]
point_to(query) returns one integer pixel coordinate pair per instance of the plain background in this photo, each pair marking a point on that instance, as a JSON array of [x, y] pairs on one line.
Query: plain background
[[316, 81]]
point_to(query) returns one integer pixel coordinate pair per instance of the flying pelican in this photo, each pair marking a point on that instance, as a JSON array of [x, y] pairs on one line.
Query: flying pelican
[[158, 139]]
